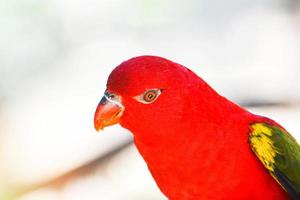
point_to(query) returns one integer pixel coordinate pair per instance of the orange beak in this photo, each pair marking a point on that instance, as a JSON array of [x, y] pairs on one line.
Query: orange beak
[[107, 113]]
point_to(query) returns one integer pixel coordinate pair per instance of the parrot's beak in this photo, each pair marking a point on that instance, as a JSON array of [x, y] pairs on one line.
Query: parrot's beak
[[107, 113]]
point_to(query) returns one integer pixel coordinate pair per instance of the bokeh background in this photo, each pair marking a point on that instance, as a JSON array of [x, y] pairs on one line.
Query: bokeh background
[[55, 56]]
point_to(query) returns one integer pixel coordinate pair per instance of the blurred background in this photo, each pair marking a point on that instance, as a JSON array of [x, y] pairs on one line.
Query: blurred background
[[55, 56]]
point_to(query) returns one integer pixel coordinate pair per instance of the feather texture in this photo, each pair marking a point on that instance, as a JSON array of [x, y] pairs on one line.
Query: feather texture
[[280, 154]]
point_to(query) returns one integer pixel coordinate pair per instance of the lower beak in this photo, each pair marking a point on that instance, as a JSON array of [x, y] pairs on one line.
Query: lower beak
[[107, 114]]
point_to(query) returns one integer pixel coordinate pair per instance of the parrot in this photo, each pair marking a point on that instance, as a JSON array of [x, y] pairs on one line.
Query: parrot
[[197, 144]]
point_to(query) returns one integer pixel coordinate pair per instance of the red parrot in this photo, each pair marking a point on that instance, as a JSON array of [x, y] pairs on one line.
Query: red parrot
[[197, 144]]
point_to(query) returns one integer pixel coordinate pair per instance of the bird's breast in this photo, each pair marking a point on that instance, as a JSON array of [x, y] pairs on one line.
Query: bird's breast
[[220, 167]]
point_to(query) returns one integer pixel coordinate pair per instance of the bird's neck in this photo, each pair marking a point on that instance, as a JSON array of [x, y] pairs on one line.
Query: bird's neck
[[199, 130]]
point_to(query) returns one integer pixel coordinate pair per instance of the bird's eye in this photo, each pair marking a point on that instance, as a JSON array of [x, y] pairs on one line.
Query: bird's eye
[[148, 96]]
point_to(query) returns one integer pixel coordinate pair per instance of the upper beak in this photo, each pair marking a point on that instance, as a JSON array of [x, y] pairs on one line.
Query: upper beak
[[107, 113]]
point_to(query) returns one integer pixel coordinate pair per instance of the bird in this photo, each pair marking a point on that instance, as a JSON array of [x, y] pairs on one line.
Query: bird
[[197, 144]]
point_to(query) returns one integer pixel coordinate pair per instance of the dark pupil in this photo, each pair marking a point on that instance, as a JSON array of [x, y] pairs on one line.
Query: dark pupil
[[150, 96]]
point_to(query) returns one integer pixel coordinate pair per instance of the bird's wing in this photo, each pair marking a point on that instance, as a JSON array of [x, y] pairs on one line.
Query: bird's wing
[[279, 152]]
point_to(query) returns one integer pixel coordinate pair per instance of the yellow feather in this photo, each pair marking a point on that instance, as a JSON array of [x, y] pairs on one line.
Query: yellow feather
[[263, 146]]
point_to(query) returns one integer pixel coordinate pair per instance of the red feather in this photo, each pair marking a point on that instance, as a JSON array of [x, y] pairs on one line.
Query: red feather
[[194, 141]]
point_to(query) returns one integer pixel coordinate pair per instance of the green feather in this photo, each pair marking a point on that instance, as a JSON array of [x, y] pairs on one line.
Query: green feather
[[280, 154]]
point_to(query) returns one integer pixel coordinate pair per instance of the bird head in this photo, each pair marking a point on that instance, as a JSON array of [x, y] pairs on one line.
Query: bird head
[[147, 94]]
